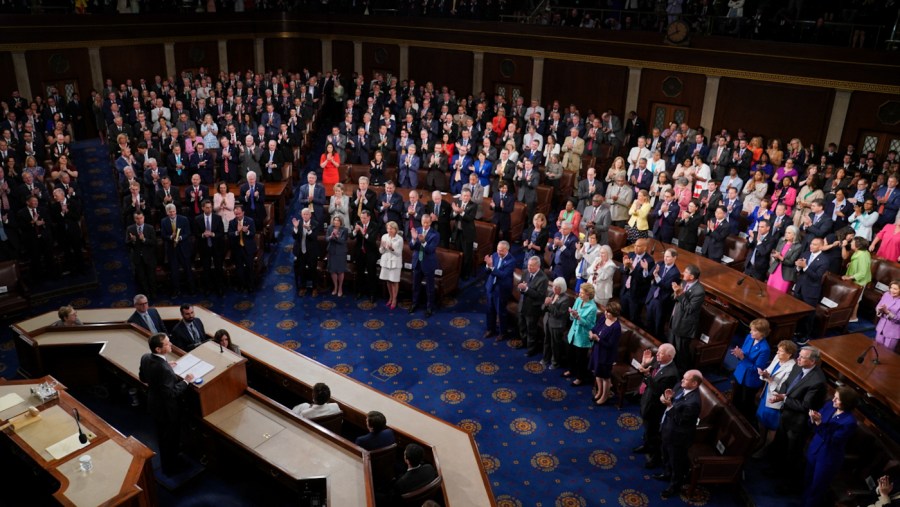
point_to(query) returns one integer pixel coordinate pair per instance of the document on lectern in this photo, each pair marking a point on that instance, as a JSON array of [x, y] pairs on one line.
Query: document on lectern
[[190, 363]]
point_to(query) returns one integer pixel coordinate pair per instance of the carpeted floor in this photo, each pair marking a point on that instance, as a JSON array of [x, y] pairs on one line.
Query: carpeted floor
[[542, 442]]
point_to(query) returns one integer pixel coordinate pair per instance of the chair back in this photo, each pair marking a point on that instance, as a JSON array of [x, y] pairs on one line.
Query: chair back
[[382, 462], [332, 423], [430, 491]]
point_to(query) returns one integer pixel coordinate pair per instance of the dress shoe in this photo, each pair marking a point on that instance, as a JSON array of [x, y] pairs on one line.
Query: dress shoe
[[652, 463], [315, 293], [301, 292], [499, 338], [412, 309], [488, 334], [428, 313], [671, 491], [661, 477], [641, 449]]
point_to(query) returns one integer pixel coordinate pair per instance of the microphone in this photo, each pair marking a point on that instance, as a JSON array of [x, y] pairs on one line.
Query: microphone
[[81, 436], [652, 249], [221, 350], [862, 357], [756, 284]]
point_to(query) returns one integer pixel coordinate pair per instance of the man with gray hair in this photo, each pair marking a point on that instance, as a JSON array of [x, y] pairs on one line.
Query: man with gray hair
[[175, 230], [533, 289], [659, 374], [677, 428], [500, 268], [146, 317], [619, 196]]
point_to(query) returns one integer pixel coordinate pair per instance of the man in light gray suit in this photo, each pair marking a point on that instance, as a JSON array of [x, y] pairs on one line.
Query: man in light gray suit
[[597, 218], [619, 196]]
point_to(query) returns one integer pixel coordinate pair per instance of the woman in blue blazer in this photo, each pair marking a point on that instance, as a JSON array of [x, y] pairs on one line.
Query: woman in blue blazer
[[754, 355], [833, 427]]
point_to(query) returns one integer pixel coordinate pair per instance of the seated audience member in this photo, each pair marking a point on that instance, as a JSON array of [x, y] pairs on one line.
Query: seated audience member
[[146, 317], [68, 317], [224, 339], [417, 473], [188, 333], [379, 434], [320, 408]]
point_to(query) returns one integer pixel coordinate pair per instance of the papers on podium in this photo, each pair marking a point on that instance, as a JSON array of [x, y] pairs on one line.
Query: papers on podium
[[190, 363]]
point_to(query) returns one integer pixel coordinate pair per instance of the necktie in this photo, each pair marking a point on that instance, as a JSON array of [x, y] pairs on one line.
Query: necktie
[[796, 381], [303, 238], [194, 335], [652, 375], [208, 228], [252, 198], [422, 246], [241, 233], [150, 325], [364, 229], [887, 196]]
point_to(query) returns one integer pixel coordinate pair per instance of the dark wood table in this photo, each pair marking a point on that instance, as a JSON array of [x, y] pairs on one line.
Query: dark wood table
[[879, 381], [750, 300]]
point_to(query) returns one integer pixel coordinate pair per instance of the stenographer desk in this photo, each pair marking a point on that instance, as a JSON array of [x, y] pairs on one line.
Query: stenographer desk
[[750, 300], [121, 474], [464, 479]]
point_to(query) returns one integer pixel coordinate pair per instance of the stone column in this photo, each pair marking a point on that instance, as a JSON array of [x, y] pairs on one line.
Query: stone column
[[709, 102], [838, 116], [477, 72], [259, 55], [171, 69], [223, 55], [96, 68], [357, 57], [537, 79], [404, 62], [634, 88], [327, 58], [21, 69]]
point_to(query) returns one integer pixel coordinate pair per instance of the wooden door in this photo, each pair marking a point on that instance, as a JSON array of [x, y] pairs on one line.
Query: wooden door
[[879, 142], [65, 87], [662, 114], [509, 91]]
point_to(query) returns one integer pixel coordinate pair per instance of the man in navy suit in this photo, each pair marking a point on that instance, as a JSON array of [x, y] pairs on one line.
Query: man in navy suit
[[379, 434], [679, 423], [270, 162], [888, 201], [424, 262], [162, 399], [817, 224], [390, 204], [413, 211], [663, 217], [810, 270], [194, 194], [659, 299], [146, 317], [637, 276], [440, 212], [762, 241], [563, 248], [209, 236], [716, 232], [189, 332], [201, 163], [500, 268], [640, 178], [685, 323], [312, 195], [408, 168], [733, 206], [527, 180], [305, 252], [503, 203], [242, 230], [659, 374], [359, 145], [252, 195], [176, 234]]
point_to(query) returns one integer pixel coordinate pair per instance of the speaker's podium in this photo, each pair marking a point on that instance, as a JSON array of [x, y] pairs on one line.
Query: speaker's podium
[[223, 374]]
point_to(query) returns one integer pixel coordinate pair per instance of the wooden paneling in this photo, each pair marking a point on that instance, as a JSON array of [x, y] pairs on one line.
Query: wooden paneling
[[863, 116], [589, 86], [342, 57], [49, 66], [380, 57], [240, 55], [443, 67], [773, 110], [654, 88], [132, 62], [520, 73], [8, 77], [192, 55], [293, 55]]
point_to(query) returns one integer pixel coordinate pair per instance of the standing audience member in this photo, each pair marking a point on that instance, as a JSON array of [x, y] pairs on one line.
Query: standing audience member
[[685, 323], [859, 270], [140, 240], [243, 249], [336, 240], [368, 235], [583, 315], [533, 291], [209, 236], [556, 306], [601, 275], [605, 335], [659, 375], [660, 301], [768, 414], [753, 356], [637, 275], [391, 249], [424, 262], [679, 423], [306, 252], [887, 331], [833, 426], [500, 268], [810, 270]]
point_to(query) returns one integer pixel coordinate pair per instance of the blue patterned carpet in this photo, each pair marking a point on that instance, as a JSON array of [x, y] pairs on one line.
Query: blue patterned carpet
[[542, 442]]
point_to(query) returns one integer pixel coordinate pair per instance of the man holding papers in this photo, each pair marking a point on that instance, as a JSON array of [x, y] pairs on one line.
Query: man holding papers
[[165, 387]]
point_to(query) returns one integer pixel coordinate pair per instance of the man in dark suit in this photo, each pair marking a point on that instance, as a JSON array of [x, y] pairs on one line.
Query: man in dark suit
[[503, 204], [533, 289], [176, 234], [242, 231], [194, 194], [164, 389], [65, 215], [440, 212], [563, 248], [359, 146], [710, 199], [659, 300], [312, 195], [716, 232], [368, 236], [437, 166], [365, 199], [252, 195], [146, 317], [719, 158], [685, 323], [527, 180], [141, 243], [803, 390], [209, 237], [504, 170], [808, 288], [201, 164], [34, 226], [677, 428], [741, 159], [663, 217], [640, 178], [424, 262], [637, 276], [189, 332], [412, 213], [270, 162], [676, 152], [817, 224], [780, 221], [305, 252], [464, 212], [762, 241], [733, 207], [587, 188], [379, 435], [417, 474], [390, 205], [500, 267], [659, 374]]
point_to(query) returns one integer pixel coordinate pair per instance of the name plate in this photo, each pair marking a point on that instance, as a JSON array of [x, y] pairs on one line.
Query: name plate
[[828, 303], [407, 265], [727, 260], [704, 338], [880, 287]]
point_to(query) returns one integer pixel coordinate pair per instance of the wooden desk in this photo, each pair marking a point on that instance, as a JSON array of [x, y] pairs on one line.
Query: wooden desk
[[122, 473], [879, 381], [721, 283], [465, 481]]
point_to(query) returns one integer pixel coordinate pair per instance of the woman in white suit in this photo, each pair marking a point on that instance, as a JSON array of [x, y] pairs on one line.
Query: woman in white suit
[[601, 274], [768, 414], [391, 250]]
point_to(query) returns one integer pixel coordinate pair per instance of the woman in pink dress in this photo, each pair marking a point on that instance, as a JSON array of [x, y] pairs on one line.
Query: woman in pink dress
[[782, 272], [786, 194], [889, 237], [887, 332], [223, 203]]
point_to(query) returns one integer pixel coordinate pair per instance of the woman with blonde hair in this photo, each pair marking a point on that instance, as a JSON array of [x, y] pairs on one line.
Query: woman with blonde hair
[[391, 249], [339, 204], [583, 315], [617, 168], [336, 238], [756, 147], [601, 275], [638, 227]]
